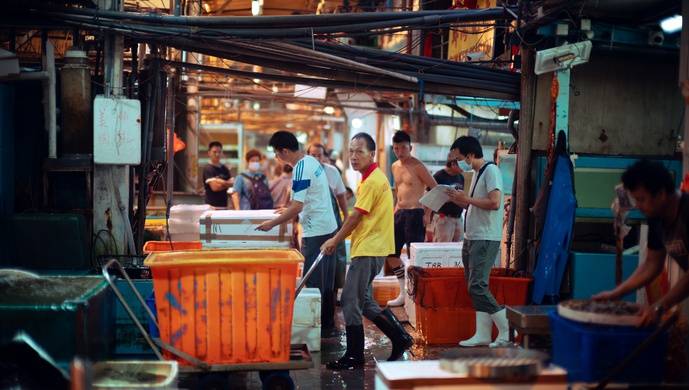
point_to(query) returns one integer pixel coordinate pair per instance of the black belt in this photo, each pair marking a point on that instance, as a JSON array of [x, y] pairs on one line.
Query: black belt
[[450, 215]]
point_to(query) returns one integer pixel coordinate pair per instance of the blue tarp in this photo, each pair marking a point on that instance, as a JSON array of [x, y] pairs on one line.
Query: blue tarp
[[557, 234]]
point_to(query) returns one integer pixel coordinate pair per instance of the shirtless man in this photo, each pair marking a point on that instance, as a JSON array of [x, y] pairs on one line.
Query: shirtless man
[[411, 179]]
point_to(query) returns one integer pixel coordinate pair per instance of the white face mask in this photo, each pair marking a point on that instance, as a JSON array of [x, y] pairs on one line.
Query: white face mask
[[463, 165], [254, 166]]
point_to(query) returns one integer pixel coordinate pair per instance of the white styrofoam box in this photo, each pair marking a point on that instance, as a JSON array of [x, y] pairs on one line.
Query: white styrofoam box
[[348, 249], [237, 229], [306, 323], [116, 131], [181, 226], [436, 254], [189, 212], [409, 306], [184, 236]]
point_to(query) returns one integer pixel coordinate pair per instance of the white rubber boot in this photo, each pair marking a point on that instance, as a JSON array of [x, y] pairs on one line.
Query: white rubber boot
[[399, 301], [500, 320], [484, 327]]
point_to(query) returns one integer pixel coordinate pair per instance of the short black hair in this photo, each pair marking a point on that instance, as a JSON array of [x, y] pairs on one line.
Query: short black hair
[[467, 144], [253, 153], [349, 190], [401, 136], [214, 144], [284, 140], [651, 175], [370, 143]]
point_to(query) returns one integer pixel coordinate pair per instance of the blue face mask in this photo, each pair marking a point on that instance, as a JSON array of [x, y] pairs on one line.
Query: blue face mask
[[463, 165]]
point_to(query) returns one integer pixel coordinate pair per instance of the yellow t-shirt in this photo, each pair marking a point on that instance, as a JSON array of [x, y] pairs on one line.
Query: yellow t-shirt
[[375, 234]]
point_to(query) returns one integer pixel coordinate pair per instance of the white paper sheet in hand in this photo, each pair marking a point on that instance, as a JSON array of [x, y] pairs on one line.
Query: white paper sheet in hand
[[436, 198]]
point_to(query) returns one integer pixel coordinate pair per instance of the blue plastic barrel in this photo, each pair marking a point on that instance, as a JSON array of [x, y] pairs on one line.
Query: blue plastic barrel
[[589, 352]]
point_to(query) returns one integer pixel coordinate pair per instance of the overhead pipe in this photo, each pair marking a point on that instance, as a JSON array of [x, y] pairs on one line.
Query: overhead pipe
[[344, 61], [283, 31], [278, 22]]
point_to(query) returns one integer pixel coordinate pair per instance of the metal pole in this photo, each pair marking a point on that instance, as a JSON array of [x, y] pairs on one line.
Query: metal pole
[[526, 122], [170, 147]]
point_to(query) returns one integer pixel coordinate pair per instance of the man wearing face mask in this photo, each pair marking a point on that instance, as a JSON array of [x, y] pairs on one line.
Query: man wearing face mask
[[251, 190], [482, 237]]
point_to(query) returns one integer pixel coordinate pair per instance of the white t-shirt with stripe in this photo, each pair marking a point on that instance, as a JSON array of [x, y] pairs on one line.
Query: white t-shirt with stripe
[[310, 187]]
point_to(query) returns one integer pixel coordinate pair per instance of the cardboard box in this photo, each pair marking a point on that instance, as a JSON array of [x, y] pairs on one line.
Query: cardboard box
[[306, 323], [436, 254], [237, 229]]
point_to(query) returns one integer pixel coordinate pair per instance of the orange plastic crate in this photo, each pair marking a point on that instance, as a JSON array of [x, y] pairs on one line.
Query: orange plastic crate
[[164, 246], [227, 306], [446, 325], [385, 290], [447, 287], [444, 314]]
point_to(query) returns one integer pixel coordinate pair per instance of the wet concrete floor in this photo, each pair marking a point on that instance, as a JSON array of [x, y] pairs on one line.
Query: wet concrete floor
[[377, 349]]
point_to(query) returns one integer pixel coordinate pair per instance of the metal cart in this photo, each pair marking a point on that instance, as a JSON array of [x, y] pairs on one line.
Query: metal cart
[[273, 375]]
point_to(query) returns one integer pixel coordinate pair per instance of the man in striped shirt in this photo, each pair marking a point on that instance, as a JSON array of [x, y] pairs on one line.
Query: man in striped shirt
[[311, 202]]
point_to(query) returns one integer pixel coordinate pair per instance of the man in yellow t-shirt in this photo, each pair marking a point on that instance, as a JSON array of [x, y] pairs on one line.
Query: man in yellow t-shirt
[[371, 226]]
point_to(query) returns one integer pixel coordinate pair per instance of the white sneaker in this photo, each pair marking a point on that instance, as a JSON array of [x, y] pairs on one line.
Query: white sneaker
[[484, 327], [503, 339], [399, 301]]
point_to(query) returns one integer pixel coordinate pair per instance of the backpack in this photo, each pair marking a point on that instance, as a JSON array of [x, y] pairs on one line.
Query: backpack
[[259, 193]]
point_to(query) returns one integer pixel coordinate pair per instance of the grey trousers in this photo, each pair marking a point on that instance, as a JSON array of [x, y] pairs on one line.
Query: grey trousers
[[357, 294], [478, 257], [323, 276]]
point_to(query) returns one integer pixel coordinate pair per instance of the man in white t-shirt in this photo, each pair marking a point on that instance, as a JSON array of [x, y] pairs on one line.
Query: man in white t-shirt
[[311, 200], [482, 237]]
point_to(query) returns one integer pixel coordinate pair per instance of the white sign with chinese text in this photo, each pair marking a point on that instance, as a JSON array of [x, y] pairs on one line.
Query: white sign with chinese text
[[116, 131]]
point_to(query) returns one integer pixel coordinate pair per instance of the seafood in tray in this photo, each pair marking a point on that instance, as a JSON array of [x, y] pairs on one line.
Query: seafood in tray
[[601, 312]]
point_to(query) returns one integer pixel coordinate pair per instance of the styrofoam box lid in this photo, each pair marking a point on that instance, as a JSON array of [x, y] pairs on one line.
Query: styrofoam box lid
[[240, 214], [436, 245], [190, 208]]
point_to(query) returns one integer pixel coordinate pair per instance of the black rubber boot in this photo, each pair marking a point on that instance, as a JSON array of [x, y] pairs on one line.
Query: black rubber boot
[[354, 357], [391, 327]]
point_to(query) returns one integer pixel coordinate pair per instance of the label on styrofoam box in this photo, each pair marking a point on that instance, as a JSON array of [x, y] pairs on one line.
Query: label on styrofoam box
[[436, 254], [240, 226]]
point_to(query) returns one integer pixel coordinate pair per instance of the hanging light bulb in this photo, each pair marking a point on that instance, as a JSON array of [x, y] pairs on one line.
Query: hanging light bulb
[[275, 89]]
